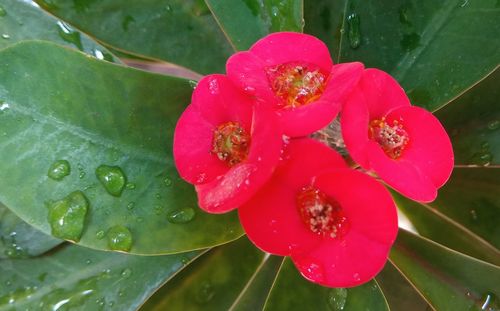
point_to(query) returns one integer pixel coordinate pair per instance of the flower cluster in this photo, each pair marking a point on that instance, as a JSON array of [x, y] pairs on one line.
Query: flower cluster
[[247, 141]]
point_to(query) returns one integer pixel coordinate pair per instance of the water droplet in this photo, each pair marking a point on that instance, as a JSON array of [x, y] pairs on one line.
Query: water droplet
[[473, 214], [493, 125], [67, 216], [112, 178], [69, 35], [88, 261], [181, 216], [354, 33], [81, 171], [193, 83], [167, 182], [275, 11], [489, 302], [356, 277], [130, 186], [213, 86], [168, 8], [205, 292], [100, 234], [103, 55], [17, 295], [337, 298], [3, 106], [482, 158], [3, 12], [119, 238], [131, 206], [59, 169], [5, 36], [126, 273]]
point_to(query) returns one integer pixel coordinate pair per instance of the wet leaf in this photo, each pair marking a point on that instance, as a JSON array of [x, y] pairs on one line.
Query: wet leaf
[[110, 115]]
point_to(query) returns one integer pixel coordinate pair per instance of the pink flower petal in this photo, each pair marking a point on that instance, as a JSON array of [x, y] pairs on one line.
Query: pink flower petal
[[219, 101], [372, 228], [192, 145], [382, 93], [304, 120], [284, 47], [243, 180], [271, 218]]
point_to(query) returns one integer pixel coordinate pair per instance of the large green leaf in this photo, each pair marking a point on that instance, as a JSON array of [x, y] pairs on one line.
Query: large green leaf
[[473, 122], [433, 224], [291, 291], [214, 282], [19, 240], [436, 49], [447, 279], [77, 278], [21, 20], [178, 31], [246, 21], [399, 293], [110, 115]]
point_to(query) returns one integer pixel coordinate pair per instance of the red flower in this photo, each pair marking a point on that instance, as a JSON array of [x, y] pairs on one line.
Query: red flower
[[337, 224], [294, 74], [405, 145], [225, 145]]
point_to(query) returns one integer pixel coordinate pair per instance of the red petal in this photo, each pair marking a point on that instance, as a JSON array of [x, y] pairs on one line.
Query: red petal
[[285, 47], [243, 180], [192, 148], [362, 252], [271, 219]]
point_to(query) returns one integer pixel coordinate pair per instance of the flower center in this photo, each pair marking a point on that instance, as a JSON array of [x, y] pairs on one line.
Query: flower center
[[231, 143], [391, 137], [322, 215], [296, 84]]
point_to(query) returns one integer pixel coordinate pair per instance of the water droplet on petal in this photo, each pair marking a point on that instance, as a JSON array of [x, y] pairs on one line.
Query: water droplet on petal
[[112, 178], [181, 216], [59, 169], [119, 238], [67, 216]]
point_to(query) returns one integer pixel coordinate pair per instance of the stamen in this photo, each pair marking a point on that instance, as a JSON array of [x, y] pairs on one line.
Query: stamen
[[296, 84], [392, 138], [231, 143], [321, 214]]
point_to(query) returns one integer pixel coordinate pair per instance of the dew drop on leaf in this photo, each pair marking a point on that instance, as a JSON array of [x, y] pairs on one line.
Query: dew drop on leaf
[[354, 33], [67, 216], [59, 169], [69, 35], [181, 216], [112, 178], [119, 238], [337, 298], [205, 292], [126, 273]]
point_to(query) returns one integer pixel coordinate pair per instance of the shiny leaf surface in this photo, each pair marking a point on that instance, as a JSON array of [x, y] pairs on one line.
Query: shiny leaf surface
[[246, 21], [435, 49], [178, 31], [22, 20], [291, 291], [111, 115], [213, 282], [447, 279], [20, 240], [78, 278]]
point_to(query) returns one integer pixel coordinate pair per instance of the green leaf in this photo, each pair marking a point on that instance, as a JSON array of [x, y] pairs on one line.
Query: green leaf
[[109, 115], [21, 20], [432, 223], [78, 278], [435, 49], [471, 199], [20, 240], [399, 293], [473, 122], [291, 291], [180, 31], [213, 282], [246, 21], [447, 279]]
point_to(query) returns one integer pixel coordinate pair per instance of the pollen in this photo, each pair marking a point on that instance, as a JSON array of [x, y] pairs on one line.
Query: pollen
[[321, 214], [231, 143], [296, 84], [392, 137]]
